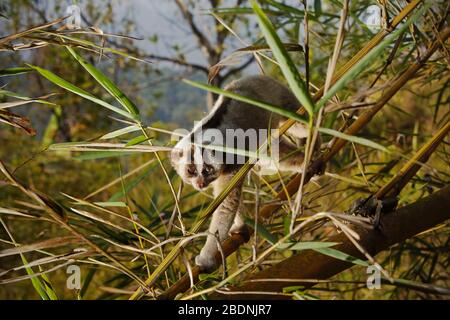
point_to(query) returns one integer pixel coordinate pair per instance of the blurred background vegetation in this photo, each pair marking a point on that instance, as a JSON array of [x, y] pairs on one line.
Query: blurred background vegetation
[[146, 48]]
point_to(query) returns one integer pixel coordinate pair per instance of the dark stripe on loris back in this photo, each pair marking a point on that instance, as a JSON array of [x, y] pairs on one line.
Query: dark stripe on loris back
[[217, 118], [214, 121]]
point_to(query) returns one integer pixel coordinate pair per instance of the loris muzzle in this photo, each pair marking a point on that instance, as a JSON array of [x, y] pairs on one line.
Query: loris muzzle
[[195, 165]]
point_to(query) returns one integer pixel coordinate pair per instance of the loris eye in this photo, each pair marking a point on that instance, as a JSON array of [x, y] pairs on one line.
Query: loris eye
[[192, 170], [208, 170]]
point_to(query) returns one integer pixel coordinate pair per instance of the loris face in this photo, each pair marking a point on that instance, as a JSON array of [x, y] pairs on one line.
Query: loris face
[[195, 165]]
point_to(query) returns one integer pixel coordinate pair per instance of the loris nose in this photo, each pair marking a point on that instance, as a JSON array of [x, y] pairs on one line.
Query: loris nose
[[201, 184]]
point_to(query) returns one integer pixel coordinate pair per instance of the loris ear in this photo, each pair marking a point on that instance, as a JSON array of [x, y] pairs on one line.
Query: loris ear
[[175, 156]]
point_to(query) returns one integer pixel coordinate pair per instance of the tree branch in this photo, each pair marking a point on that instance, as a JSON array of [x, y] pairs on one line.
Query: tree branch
[[136, 52], [178, 61], [397, 226], [223, 33], [237, 69], [202, 40]]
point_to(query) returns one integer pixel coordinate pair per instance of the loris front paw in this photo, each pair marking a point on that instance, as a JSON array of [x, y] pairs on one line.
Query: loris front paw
[[206, 262], [240, 230]]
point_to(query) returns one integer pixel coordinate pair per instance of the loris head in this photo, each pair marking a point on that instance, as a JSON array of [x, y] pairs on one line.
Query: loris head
[[195, 165]]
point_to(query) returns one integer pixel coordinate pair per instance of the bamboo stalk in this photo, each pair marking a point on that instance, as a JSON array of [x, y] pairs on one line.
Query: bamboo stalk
[[314, 265], [393, 187], [30, 30]]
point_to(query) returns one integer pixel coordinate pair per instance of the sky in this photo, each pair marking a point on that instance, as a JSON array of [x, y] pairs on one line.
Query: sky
[[162, 17]]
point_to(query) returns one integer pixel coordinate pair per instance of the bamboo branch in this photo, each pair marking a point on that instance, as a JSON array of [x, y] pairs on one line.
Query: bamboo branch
[[398, 226], [202, 39], [393, 187], [17, 35]]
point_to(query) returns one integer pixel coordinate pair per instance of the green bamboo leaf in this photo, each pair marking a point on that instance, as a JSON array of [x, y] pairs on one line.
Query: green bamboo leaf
[[74, 89], [108, 147], [27, 99], [48, 286], [35, 280], [86, 43], [286, 113], [111, 204], [261, 104], [208, 276], [94, 155], [355, 139], [287, 66], [306, 245], [52, 127], [119, 132], [341, 256], [137, 140], [317, 7], [132, 184], [14, 71], [87, 281], [106, 83], [262, 231]]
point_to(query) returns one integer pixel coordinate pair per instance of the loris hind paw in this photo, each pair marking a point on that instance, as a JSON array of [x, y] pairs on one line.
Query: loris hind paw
[[206, 262]]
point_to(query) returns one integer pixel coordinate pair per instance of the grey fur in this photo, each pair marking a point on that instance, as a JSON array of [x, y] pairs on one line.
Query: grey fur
[[232, 114]]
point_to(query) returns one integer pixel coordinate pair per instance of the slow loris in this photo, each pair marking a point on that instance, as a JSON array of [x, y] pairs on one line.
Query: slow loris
[[201, 166]]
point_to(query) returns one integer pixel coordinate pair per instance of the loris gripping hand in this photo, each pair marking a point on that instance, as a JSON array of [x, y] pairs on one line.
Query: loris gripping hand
[[225, 220]]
